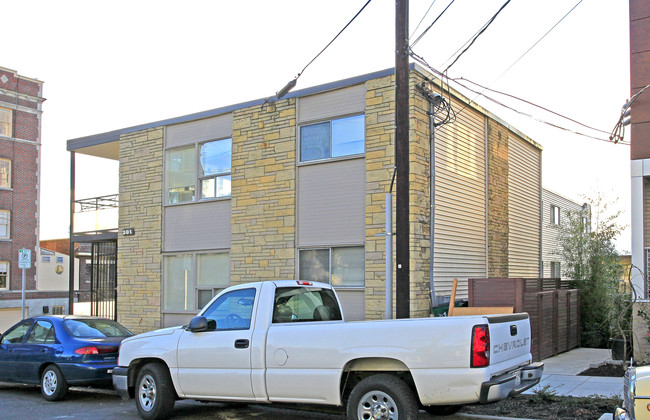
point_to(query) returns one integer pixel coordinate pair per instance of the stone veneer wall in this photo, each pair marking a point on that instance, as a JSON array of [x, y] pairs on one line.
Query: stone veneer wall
[[139, 256], [419, 200], [497, 199], [380, 153], [263, 193]]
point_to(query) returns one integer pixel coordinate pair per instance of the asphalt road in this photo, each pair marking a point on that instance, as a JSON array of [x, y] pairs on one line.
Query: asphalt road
[[24, 402]]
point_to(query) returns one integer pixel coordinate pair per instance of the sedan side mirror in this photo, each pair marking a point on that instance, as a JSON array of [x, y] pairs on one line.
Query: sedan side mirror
[[198, 324]]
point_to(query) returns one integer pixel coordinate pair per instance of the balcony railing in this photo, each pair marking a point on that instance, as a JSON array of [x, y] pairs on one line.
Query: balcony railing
[[96, 213]]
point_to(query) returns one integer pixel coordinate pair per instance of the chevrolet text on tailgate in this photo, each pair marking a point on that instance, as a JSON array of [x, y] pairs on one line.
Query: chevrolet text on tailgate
[[287, 341]]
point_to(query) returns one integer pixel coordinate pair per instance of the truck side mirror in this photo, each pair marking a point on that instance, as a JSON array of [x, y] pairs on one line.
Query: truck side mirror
[[198, 324]]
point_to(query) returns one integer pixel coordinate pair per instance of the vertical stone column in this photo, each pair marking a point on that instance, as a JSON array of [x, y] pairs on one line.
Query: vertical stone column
[[263, 193], [380, 155], [497, 199], [139, 257]]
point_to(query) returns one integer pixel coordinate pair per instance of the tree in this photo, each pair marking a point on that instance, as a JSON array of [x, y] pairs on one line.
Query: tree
[[592, 263]]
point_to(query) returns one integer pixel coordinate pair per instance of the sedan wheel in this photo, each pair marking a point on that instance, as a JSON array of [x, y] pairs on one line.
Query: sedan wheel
[[53, 384]]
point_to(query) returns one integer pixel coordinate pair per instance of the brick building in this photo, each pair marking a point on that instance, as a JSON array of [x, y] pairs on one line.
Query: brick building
[[295, 188], [640, 168], [21, 101]]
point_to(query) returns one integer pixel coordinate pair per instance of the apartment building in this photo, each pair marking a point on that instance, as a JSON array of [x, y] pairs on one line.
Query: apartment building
[[21, 100], [295, 189]]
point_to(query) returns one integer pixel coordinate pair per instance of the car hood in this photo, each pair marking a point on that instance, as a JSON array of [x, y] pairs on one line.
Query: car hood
[[164, 331]]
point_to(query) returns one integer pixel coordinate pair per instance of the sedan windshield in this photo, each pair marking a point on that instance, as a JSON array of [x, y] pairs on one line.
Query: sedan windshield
[[95, 328]]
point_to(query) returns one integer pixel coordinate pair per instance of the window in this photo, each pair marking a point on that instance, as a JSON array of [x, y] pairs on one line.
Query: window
[[233, 310], [58, 310], [4, 275], [192, 280], [330, 139], [6, 128], [42, 333], [5, 218], [304, 304], [555, 215], [5, 173], [340, 267], [215, 167], [210, 173], [556, 270], [17, 333], [95, 328]]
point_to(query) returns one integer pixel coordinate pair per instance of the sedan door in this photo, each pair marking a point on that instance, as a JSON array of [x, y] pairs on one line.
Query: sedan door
[[39, 348], [217, 363], [11, 340]]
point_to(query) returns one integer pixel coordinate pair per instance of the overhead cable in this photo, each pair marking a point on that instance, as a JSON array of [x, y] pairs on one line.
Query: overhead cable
[[430, 26], [475, 37], [293, 82], [422, 20], [422, 61]]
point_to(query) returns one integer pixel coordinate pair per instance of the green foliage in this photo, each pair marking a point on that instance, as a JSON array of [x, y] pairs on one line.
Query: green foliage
[[545, 393], [592, 262]]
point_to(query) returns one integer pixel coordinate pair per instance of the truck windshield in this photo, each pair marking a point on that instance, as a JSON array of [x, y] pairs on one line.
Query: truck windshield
[[305, 304]]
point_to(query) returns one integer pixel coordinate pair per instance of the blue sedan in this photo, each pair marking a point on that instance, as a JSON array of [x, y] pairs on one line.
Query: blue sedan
[[57, 351]]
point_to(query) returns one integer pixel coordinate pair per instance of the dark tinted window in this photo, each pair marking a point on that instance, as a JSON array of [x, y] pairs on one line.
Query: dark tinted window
[[305, 304], [95, 328]]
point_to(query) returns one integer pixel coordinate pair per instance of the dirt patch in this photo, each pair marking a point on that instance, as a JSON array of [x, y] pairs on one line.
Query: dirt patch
[[605, 369], [545, 405]]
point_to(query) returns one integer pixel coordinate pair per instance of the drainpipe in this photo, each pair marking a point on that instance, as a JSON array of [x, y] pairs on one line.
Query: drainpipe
[[432, 198]]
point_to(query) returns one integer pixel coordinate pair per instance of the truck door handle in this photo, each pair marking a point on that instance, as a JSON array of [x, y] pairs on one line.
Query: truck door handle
[[241, 344]]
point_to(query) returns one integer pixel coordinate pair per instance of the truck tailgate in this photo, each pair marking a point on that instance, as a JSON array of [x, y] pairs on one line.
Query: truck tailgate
[[510, 336]]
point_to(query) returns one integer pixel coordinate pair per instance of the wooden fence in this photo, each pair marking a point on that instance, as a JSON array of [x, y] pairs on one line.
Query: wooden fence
[[554, 309]]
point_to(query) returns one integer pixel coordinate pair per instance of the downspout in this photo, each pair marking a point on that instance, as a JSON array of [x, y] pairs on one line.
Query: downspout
[[71, 260], [432, 198]]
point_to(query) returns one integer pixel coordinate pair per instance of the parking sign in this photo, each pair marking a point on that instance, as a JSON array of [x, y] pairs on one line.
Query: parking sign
[[24, 258]]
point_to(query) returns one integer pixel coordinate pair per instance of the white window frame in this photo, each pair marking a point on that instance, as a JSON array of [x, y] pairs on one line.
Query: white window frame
[[6, 123], [8, 235], [7, 175], [330, 157], [193, 280], [197, 196], [7, 264], [555, 215]]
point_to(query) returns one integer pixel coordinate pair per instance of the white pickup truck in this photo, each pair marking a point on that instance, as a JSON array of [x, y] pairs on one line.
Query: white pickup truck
[[287, 341]]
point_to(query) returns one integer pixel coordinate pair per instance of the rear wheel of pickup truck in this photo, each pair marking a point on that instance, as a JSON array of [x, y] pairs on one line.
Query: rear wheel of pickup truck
[[382, 397], [154, 393]]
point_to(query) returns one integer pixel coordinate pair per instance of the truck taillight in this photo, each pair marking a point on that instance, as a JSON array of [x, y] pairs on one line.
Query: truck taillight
[[480, 346]]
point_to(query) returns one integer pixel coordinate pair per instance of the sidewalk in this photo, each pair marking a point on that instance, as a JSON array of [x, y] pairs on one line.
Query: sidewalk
[[560, 373]]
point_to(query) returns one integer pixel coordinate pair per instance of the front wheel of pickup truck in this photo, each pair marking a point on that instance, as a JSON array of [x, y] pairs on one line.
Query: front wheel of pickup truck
[[154, 393], [382, 397]]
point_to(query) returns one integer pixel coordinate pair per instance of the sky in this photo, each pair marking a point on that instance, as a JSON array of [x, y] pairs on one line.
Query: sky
[[110, 65]]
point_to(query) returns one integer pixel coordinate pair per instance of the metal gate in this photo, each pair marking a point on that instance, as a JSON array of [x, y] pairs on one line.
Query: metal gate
[[103, 280]]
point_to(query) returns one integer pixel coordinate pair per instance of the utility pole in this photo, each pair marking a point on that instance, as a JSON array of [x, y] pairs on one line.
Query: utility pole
[[402, 228]]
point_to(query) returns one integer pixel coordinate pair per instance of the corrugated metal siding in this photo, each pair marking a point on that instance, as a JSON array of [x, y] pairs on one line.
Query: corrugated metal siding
[[550, 233], [524, 206], [332, 104], [460, 231], [197, 226], [207, 129], [332, 203]]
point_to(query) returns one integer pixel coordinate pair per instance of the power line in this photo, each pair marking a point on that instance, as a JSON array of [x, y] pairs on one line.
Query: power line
[[475, 37], [422, 61], [530, 103], [538, 41], [430, 26], [293, 82], [423, 17], [535, 118]]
